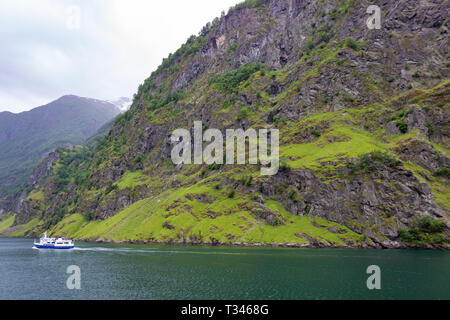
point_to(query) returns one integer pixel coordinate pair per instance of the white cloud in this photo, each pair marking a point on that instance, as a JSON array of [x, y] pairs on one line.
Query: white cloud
[[119, 43]]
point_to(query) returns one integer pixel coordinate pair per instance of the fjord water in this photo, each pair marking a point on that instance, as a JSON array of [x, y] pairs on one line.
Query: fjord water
[[165, 272]]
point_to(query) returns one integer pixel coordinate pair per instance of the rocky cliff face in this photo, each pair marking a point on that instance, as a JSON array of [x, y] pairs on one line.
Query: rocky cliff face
[[363, 118]]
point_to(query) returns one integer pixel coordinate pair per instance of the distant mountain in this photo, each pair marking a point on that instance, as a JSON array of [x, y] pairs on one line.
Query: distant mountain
[[25, 138], [123, 103]]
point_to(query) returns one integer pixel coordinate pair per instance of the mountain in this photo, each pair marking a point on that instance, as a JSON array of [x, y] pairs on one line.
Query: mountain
[[26, 138], [123, 103], [363, 126]]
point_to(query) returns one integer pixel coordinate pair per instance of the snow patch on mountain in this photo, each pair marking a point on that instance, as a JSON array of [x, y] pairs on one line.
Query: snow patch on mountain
[[123, 103]]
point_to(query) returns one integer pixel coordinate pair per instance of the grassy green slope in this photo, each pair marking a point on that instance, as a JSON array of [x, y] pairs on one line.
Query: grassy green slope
[[190, 220]]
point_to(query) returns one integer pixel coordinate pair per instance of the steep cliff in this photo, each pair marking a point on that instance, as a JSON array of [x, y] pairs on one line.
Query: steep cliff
[[363, 119]]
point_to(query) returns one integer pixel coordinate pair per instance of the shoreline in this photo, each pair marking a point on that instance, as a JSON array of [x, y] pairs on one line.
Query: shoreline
[[398, 246]]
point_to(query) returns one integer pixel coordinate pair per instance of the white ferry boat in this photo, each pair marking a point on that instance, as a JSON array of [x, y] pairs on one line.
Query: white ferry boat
[[53, 243]]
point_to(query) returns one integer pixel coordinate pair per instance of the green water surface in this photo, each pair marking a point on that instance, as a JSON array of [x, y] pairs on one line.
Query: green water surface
[[164, 272]]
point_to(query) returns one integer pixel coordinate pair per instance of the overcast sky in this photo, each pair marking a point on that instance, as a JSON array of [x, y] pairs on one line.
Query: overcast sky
[[47, 52]]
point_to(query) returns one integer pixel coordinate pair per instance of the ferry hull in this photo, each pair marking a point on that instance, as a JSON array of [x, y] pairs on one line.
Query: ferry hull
[[38, 246]]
